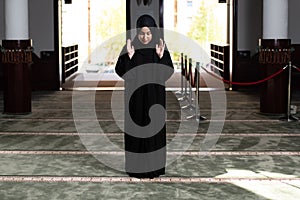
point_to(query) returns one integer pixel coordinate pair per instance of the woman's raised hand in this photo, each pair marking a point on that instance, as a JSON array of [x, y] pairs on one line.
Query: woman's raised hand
[[160, 48], [130, 48]]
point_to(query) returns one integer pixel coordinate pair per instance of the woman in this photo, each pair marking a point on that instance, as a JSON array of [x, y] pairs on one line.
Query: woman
[[145, 150]]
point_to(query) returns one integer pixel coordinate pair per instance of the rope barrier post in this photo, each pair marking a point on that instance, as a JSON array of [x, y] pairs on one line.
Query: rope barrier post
[[183, 76], [196, 84], [189, 79], [191, 84], [180, 92], [185, 97], [197, 101], [289, 117]]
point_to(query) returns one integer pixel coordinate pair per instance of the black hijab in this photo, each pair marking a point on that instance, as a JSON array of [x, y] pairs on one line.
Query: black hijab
[[144, 53], [146, 21]]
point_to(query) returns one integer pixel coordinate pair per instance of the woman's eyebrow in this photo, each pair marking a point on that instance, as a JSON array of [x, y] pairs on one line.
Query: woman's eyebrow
[[146, 32]]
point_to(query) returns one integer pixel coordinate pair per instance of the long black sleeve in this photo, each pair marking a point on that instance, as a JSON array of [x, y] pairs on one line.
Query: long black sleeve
[[167, 61], [123, 64]]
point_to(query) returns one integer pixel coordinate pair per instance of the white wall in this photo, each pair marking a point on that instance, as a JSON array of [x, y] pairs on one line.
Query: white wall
[[2, 21], [249, 24], [294, 28], [41, 25]]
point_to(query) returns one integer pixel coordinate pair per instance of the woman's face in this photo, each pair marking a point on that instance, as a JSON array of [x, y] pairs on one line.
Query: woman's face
[[145, 35]]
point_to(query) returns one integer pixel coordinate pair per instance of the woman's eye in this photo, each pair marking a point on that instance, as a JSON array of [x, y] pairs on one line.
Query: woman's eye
[[145, 33]]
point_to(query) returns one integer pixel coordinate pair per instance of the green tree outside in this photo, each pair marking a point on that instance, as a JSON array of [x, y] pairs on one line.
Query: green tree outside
[[205, 28], [110, 24]]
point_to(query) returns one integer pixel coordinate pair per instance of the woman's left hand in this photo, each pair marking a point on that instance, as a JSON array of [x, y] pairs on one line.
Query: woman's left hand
[[160, 48]]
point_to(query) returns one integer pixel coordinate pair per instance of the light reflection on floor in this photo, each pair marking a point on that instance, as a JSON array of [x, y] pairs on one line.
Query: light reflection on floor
[[274, 190]]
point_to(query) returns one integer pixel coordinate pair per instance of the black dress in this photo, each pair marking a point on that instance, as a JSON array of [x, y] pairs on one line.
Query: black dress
[[140, 101]]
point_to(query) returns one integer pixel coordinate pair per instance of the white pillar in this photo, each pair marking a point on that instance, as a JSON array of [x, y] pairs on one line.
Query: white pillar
[[275, 19], [16, 20]]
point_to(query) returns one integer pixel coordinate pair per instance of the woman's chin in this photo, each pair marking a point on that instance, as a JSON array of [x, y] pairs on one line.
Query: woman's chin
[[147, 42]]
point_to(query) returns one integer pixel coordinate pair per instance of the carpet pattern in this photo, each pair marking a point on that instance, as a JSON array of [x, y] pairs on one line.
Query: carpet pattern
[[238, 153]]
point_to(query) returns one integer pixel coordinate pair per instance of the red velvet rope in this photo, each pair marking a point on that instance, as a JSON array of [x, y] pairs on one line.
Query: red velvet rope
[[188, 73], [247, 83], [296, 68]]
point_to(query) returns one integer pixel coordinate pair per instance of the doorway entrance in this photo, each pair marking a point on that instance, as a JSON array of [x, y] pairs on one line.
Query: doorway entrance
[[99, 32], [96, 21]]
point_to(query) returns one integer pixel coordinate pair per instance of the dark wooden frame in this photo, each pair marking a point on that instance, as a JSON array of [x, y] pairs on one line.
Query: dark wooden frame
[[161, 14], [57, 38], [234, 37]]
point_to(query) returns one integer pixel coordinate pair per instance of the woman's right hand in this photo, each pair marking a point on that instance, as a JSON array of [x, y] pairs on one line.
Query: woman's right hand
[[130, 48]]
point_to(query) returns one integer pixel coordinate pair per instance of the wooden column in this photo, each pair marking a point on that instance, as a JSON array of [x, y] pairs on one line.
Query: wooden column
[[16, 58], [274, 55], [17, 76]]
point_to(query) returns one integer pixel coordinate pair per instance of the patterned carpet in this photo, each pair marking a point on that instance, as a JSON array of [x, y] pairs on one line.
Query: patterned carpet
[[70, 147]]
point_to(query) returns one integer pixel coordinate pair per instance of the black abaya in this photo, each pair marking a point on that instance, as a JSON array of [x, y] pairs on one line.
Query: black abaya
[[139, 104]]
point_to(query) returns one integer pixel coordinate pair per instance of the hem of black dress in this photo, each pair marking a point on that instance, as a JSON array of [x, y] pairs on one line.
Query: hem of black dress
[[151, 175]]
